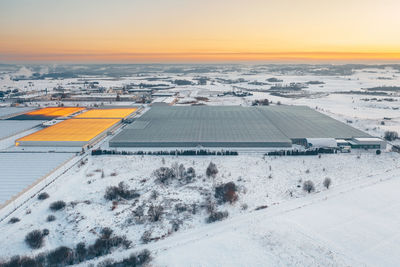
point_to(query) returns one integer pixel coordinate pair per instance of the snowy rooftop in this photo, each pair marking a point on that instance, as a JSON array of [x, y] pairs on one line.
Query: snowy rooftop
[[368, 139]]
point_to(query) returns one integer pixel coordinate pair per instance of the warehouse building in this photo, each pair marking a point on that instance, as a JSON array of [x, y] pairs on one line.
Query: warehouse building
[[231, 127]]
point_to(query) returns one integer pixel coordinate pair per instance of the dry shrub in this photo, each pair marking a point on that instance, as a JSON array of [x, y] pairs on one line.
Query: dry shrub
[[35, 239], [226, 193]]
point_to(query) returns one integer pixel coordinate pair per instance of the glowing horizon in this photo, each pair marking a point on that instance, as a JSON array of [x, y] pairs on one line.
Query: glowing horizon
[[139, 31]]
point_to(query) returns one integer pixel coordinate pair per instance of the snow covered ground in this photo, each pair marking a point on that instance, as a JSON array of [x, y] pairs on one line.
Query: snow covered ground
[[269, 181], [358, 227]]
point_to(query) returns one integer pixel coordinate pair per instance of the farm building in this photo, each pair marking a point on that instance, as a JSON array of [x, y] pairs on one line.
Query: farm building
[[367, 143], [231, 127]]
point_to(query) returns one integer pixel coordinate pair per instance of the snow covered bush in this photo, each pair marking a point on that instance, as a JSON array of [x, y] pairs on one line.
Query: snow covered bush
[[140, 259], [164, 175], [106, 232], [61, 256], [20, 261], [308, 186], [57, 205], [154, 213], [106, 243], [111, 193], [327, 182], [43, 196], [175, 224], [189, 175], [13, 220], [212, 170], [146, 237], [51, 218], [138, 215], [120, 191], [80, 252], [34, 239], [217, 216], [391, 135], [45, 232], [65, 256], [226, 193], [209, 205]]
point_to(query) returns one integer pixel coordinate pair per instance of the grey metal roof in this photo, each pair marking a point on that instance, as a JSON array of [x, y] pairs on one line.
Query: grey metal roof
[[8, 111], [298, 122], [20, 170], [229, 126], [10, 127]]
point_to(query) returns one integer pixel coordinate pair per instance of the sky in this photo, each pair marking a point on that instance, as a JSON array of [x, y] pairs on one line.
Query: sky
[[139, 31]]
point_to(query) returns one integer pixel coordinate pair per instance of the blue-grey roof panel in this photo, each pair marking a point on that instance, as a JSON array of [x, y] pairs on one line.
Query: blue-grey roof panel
[[229, 126]]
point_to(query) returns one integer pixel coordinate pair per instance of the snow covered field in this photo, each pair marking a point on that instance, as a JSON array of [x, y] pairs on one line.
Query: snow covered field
[[354, 228], [269, 181]]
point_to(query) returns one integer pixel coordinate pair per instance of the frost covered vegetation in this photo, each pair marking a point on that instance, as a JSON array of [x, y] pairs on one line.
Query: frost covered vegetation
[[65, 256], [112, 203]]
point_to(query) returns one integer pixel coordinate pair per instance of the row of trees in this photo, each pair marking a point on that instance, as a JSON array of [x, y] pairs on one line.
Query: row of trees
[[201, 152]]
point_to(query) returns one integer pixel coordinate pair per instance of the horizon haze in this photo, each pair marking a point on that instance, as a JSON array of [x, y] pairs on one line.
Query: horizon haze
[[174, 31]]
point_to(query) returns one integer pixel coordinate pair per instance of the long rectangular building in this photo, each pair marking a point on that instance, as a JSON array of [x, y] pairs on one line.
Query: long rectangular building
[[72, 132], [81, 130], [230, 126]]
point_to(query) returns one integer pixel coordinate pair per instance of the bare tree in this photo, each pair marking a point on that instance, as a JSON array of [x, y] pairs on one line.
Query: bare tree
[[327, 182], [212, 170], [308, 186], [391, 136]]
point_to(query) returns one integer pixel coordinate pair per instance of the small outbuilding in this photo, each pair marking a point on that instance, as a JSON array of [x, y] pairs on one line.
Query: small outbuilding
[[368, 143]]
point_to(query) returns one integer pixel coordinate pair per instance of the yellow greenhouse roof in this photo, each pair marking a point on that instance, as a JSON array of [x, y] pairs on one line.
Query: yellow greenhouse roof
[[72, 130], [55, 111], [107, 113]]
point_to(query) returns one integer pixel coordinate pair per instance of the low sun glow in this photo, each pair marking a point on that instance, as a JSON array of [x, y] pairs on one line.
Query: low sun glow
[[199, 31]]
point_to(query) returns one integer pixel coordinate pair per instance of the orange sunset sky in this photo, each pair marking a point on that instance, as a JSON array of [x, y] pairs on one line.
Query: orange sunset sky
[[198, 31]]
